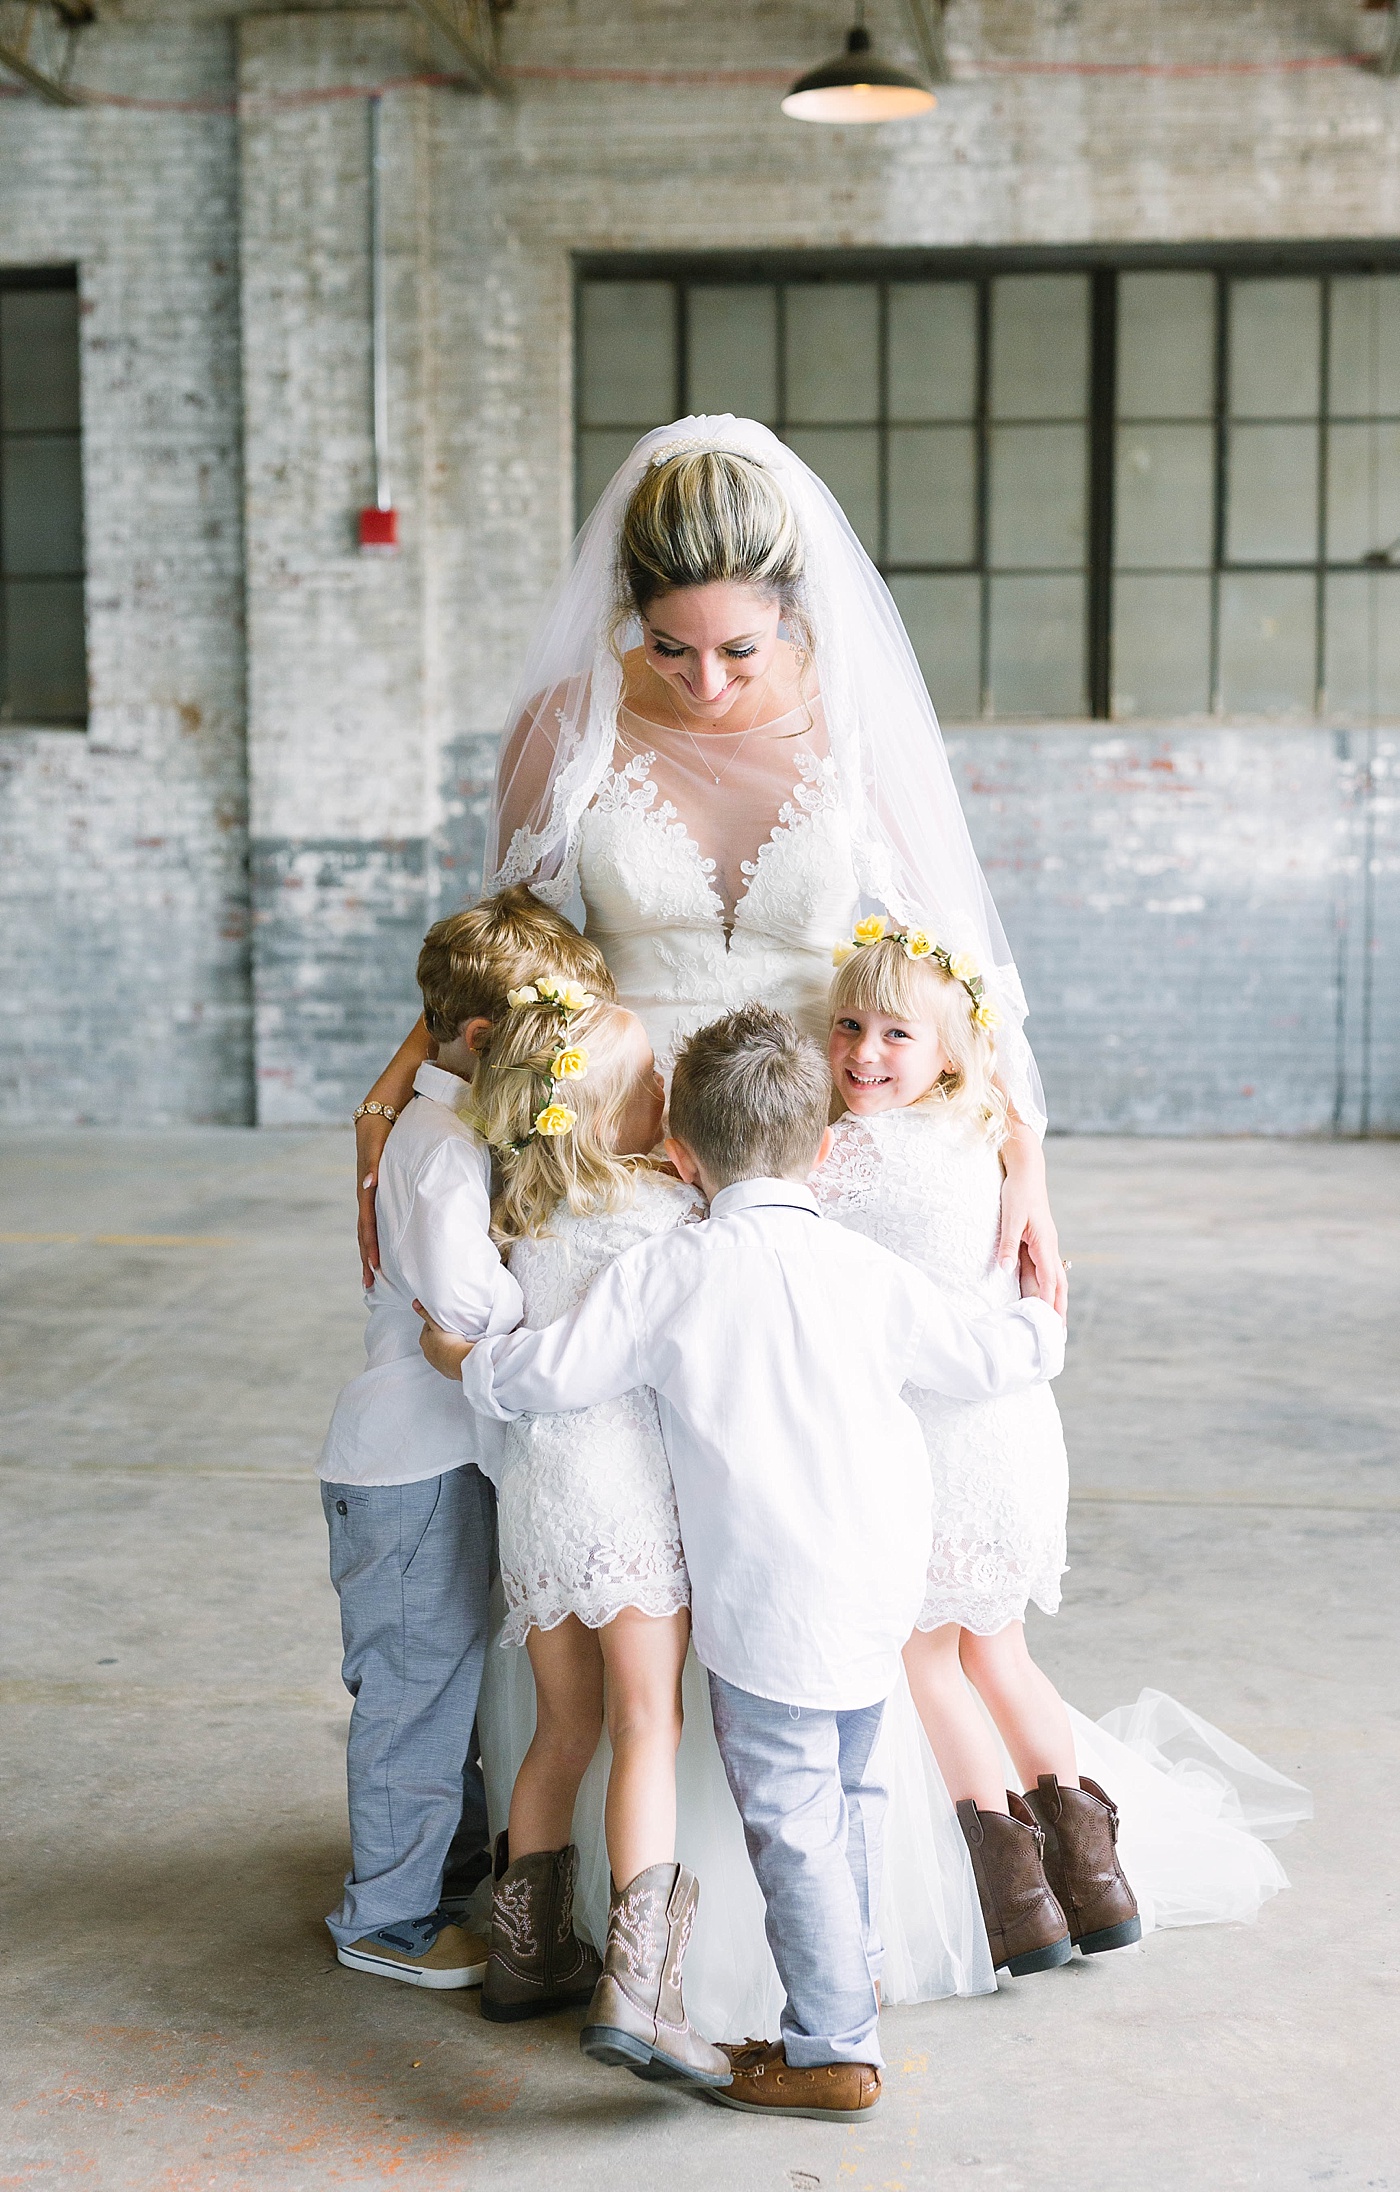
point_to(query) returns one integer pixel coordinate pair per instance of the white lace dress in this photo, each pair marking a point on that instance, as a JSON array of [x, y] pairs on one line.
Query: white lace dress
[[587, 1514], [930, 1189], [705, 895]]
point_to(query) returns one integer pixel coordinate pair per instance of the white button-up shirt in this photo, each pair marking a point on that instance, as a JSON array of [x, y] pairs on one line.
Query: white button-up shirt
[[399, 1421], [777, 1345]]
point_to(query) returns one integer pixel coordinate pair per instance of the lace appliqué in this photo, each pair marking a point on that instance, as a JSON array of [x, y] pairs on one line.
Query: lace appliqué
[[928, 1189], [815, 794], [630, 790], [588, 1520]]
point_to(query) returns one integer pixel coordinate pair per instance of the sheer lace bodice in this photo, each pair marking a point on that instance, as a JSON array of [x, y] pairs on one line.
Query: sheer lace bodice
[[922, 1184], [703, 895], [587, 1517]]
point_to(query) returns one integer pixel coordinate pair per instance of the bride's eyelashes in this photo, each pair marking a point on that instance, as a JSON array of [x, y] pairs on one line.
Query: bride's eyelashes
[[673, 654]]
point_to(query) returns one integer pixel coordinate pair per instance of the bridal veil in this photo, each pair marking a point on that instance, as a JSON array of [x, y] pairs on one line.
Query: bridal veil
[[913, 855]]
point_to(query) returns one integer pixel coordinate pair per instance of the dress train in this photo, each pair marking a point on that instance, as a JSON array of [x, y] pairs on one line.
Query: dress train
[[1196, 1810]]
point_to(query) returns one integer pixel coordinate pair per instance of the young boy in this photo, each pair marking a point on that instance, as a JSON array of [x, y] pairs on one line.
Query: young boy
[[406, 1475], [778, 1346]]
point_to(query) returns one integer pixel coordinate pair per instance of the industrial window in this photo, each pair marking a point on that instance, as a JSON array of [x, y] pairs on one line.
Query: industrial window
[[1112, 491], [43, 663]]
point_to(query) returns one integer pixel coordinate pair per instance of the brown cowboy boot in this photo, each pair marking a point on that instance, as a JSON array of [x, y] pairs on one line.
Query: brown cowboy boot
[[1081, 1864], [537, 1961], [767, 2084], [1026, 1927], [637, 2017]]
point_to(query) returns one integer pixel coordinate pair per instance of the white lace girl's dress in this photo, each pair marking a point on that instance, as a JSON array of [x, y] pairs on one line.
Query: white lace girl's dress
[[1195, 1806], [928, 1186], [587, 1518]]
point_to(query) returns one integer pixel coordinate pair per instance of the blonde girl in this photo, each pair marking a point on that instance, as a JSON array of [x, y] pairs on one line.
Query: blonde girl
[[569, 1098], [916, 1165]]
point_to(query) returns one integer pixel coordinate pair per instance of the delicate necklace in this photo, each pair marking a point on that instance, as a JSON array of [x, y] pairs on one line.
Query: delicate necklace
[[707, 765]]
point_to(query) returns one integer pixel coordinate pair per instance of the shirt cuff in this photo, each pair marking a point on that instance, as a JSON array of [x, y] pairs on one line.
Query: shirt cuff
[[1049, 1331]]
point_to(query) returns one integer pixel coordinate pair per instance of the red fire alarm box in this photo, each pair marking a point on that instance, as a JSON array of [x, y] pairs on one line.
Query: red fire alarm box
[[379, 532]]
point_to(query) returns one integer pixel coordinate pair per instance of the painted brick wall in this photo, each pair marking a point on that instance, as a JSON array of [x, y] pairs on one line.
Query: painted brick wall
[[123, 853], [1216, 948]]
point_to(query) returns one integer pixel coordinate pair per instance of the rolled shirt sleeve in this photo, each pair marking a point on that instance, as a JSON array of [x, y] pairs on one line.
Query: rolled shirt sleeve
[[591, 1355], [978, 1358], [447, 1254]]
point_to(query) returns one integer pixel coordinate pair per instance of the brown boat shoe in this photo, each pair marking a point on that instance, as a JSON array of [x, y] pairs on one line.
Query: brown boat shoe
[[767, 2084]]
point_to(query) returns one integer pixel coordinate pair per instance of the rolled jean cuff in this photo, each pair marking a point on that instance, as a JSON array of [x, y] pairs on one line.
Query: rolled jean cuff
[[805, 2052]]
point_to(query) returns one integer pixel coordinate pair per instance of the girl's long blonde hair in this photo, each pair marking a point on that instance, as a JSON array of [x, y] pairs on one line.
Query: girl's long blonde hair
[[513, 1084], [882, 978]]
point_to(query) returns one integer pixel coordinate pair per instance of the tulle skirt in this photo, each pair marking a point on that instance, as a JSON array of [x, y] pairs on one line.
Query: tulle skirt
[[1195, 1810]]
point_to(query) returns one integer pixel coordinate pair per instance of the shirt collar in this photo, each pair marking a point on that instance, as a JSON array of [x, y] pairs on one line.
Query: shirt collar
[[761, 1194], [444, 1088]]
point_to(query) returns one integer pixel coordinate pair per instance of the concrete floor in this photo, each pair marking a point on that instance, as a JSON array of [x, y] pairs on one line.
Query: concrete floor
[[174, 1723]]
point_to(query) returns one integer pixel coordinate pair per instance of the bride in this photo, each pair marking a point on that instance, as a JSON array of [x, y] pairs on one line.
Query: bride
[[722, 746], [722, 750]]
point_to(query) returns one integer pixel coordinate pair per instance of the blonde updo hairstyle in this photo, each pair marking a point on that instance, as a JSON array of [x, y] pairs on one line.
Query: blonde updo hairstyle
[[708, 517], [882, 978], [513, 1084]]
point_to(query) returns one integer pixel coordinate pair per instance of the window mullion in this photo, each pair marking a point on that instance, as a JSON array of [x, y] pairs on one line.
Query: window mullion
[[1103, 375]]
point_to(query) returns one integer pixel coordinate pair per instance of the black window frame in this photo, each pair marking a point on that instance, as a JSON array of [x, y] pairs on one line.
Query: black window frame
[[62, 278], [1102, 264]]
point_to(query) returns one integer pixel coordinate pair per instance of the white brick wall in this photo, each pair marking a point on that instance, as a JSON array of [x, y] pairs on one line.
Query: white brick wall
[[374, 688]]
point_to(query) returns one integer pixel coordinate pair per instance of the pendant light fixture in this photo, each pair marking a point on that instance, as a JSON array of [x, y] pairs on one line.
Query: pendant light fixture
[[858, 87]]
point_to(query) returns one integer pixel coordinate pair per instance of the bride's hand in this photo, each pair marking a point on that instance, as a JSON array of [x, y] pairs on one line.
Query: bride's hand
[[371, 1133], [1028, 1238]]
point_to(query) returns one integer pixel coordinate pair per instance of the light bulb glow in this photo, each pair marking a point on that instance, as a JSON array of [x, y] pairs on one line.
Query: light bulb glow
[[858, 103]]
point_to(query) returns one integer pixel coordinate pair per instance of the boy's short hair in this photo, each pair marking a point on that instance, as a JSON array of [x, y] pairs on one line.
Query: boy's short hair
[[751, 1097], [470, 960]]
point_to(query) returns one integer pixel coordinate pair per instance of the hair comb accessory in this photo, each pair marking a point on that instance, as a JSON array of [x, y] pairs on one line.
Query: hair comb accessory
[[694, 445], [918, 944]]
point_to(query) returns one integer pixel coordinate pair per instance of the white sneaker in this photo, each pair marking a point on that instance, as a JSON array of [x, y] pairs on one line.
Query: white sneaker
[[421, 1952]]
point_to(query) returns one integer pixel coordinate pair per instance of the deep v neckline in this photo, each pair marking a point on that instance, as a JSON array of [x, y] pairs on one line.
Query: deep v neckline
[[661, 813]]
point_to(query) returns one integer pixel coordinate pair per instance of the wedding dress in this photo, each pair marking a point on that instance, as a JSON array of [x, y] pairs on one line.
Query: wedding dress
[[706, 891], [709, 887]]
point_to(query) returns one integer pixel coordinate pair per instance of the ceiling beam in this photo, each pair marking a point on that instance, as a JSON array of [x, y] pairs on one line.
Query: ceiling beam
[[467, 26], [43, 61], [925, 18]]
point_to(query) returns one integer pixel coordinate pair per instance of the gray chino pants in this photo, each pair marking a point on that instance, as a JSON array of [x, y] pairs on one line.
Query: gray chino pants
[[813, 1818], [412, 1566]]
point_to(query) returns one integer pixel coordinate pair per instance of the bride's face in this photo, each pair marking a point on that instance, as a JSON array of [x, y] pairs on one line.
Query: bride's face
[[711, 643], [880, 1064]]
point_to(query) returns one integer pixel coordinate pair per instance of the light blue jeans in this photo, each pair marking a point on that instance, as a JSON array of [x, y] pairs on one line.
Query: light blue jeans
[[412, 1566], [813, 1818]]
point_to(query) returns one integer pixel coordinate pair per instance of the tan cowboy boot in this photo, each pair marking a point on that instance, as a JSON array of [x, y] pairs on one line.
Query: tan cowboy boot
[[1026, 1928], [537, 1961], [1081, 1863], [637, 2017]]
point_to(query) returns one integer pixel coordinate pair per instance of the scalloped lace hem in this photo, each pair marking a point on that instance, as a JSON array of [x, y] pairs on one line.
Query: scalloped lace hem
[[594, 1611], [983, 1614]]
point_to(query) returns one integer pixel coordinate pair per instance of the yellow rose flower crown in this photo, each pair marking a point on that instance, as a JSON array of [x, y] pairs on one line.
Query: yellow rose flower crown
[[569, 1062], [918, 944]]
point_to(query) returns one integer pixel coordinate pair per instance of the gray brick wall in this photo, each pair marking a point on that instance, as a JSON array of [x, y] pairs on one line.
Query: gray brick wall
[[1216, 948], [123, 853]]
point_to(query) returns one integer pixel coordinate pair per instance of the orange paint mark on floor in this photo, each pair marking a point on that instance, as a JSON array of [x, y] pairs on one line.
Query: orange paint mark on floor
[[207, 2112]]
